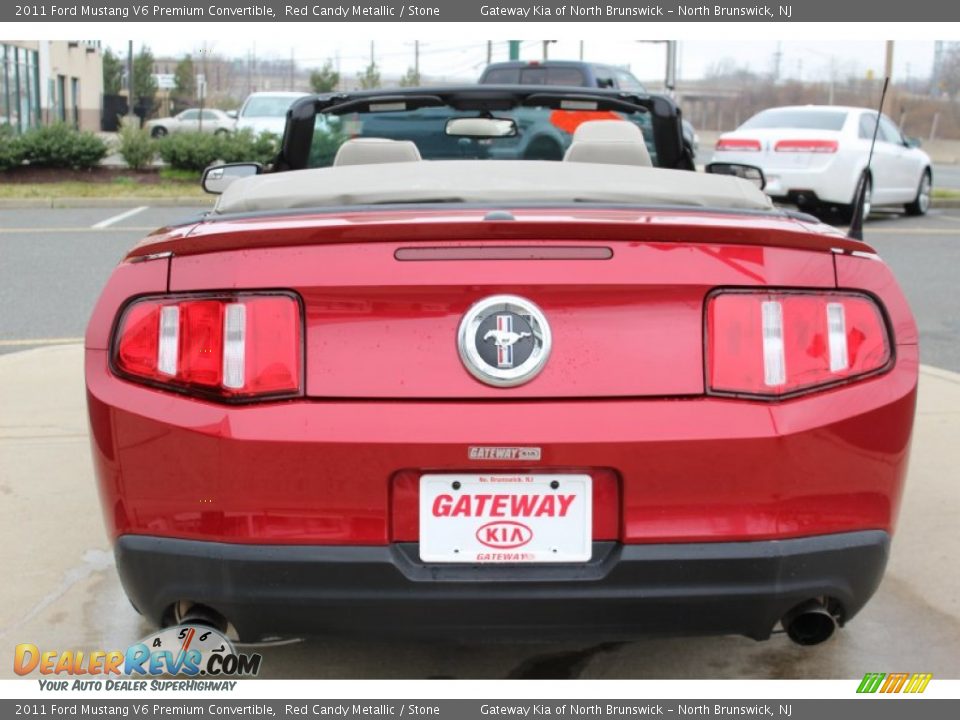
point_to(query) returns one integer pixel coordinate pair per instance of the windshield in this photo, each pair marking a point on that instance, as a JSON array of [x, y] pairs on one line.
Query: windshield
[[801, 119], [267, 106], [542, 133]]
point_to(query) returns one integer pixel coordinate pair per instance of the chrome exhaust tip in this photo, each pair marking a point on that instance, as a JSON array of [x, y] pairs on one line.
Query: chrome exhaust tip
[[809, 623]]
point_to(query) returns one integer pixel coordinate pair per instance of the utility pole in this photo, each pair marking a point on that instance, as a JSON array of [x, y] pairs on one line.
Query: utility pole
[[292, 70], [489, 51], [202, 84], [416, 59], [581, 50], [670, 81], [546, 45], [935, 73], [130, 112], [888, 60], [372, 61]]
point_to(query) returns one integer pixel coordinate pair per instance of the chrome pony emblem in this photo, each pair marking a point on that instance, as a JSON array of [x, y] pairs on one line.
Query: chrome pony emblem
[[504, 340]]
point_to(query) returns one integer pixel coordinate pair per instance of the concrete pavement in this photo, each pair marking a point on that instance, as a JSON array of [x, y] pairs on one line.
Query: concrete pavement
[[61, 589]]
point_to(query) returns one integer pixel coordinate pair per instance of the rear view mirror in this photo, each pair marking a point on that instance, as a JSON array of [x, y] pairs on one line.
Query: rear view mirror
[[913, 142], [481, 127], [218, 178], [745, 172], [232, 114]]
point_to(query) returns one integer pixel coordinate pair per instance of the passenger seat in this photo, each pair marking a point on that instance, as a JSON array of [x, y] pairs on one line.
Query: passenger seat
[[612, 142]]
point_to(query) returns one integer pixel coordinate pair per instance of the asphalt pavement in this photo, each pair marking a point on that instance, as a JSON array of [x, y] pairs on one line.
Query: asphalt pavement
[[946, 176], [55, 262], [64, 591]]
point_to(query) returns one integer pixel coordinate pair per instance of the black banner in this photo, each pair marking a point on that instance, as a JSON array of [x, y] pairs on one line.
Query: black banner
[[477, 11]]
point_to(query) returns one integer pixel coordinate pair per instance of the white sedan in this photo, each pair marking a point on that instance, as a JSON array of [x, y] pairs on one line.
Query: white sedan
[[193, 120], [267, 111], [814, 156]]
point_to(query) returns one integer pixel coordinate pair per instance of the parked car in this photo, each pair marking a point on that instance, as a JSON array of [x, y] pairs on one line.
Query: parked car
[[574, 73], [193, 120], [815, 156], [266, 111], [600, 397]]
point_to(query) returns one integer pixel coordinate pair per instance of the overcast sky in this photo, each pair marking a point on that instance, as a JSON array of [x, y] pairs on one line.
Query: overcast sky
[[803, 59]]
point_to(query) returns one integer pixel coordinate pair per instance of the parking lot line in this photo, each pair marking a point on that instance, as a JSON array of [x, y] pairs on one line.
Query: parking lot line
[[118, 218], [48, 230], [867, 231], [26, 342]]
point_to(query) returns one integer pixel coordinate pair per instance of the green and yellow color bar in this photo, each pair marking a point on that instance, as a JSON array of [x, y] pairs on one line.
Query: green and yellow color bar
[[894, 682]]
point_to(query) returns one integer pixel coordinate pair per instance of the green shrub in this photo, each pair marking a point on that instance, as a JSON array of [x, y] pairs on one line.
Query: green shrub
[[136, 147], [11, 148], [196, 151], [190, 150], [326, 141], [244, 146], [60, 146]]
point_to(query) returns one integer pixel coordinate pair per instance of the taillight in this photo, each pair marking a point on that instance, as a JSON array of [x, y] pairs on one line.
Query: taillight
[[806, 146], [233, 347], [777, 343], [740, 144]]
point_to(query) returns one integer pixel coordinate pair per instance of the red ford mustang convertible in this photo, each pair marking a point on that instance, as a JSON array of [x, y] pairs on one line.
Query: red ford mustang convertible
[[409, 381]]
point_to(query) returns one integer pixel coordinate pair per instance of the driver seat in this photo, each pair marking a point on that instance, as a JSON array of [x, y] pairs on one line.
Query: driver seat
[[373, 151]]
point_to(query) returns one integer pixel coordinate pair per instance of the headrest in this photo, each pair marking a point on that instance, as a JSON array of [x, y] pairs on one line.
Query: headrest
[[371, 151], [614, 142]]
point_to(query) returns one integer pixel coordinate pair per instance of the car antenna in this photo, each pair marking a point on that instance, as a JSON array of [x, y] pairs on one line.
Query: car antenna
[[856, 220]]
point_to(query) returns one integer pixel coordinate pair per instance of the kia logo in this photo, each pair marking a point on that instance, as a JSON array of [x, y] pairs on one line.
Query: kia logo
[[504, 534]]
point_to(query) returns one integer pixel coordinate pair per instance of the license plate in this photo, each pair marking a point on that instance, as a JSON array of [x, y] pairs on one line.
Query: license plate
[[486, 518]]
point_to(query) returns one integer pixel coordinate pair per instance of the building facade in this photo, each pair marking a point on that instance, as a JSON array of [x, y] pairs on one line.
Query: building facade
[[48, 81]]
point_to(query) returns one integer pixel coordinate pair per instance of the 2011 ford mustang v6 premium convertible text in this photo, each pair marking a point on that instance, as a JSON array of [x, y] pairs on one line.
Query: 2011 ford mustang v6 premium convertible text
[[607, 396]]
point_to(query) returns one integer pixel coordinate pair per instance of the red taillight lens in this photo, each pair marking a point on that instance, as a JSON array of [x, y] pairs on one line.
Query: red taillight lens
[[778, 343], [807, 146], [232, 347], [740, 144]]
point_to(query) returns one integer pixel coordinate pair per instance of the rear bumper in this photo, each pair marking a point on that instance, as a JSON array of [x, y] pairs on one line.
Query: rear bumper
[[828, 178], [674, 470], [624, 591]]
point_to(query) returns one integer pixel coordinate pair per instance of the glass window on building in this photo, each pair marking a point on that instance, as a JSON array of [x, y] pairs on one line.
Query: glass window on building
[[19, 87], [75, 98], [61, 98], [4, 87]]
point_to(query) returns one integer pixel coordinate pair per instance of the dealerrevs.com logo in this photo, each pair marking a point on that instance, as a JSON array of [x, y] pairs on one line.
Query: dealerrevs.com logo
[[182, 651]]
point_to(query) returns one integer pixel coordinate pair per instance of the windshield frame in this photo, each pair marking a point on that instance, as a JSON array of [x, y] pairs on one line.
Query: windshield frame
[[664, 114]]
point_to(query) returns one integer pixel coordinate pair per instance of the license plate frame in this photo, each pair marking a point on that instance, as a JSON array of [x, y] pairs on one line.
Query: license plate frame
[[506, 518]]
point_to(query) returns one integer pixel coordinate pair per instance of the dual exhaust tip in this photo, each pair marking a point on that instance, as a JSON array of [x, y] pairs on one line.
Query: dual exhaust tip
[[809, 623]]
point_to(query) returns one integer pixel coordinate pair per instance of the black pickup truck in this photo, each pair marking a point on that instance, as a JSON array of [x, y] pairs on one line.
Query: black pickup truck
[[572, 73]]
